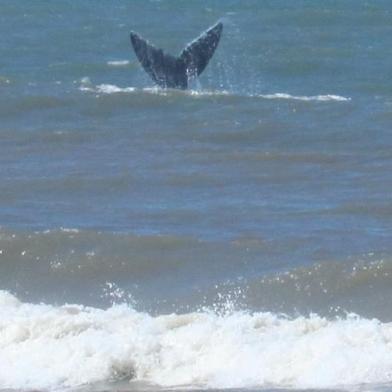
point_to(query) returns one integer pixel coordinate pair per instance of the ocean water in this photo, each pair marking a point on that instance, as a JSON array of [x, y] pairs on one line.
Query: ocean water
[[236, 235]]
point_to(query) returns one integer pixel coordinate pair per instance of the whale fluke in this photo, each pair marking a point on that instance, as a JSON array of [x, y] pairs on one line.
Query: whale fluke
[[168, 71]]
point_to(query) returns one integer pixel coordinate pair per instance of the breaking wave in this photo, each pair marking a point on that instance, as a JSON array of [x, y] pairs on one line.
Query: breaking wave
[[43, 346]]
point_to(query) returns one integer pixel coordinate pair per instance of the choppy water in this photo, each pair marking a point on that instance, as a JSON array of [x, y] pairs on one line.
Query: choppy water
[[237, 235]]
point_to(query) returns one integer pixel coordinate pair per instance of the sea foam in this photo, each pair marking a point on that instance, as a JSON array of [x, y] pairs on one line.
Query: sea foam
[[118, 63], [320, 98], [43, 346], [87, 86]]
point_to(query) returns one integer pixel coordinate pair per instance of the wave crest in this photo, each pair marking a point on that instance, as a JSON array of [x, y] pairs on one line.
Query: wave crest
[[43, 346]]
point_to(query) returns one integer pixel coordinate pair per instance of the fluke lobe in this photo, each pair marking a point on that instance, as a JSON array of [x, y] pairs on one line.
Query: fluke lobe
[[168, 71]]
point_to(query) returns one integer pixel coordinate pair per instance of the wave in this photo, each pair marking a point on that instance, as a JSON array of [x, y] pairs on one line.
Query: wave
[[320, 98], [44, 346], [69, 265], [15, 106], [87, 86], [118, 63]]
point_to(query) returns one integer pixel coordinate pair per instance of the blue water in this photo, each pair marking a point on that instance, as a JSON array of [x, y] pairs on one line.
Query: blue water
[[284, 141], [264, 188]]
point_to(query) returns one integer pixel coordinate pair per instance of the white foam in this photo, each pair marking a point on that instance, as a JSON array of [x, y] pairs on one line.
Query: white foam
[[118, 63], [86, 85], [43, 347], [320, 98], [201, 93], [69, 230]]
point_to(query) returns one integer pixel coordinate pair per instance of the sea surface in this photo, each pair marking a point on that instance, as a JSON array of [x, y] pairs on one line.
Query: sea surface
[[237, 235]]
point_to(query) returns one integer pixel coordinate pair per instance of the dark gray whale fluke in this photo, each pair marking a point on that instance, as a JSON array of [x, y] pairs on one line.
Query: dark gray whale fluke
[[168, 71]]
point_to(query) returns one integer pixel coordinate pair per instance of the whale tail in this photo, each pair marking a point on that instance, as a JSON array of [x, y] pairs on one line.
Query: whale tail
[[168, 71]]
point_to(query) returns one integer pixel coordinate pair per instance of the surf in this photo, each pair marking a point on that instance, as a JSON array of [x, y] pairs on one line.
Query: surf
[[53, 347]]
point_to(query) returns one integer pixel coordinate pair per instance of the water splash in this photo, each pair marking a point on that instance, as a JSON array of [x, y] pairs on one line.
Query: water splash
[[49, 347], [87, 86]]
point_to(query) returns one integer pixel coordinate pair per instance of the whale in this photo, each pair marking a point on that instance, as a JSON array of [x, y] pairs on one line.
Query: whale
[[169, 71]]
